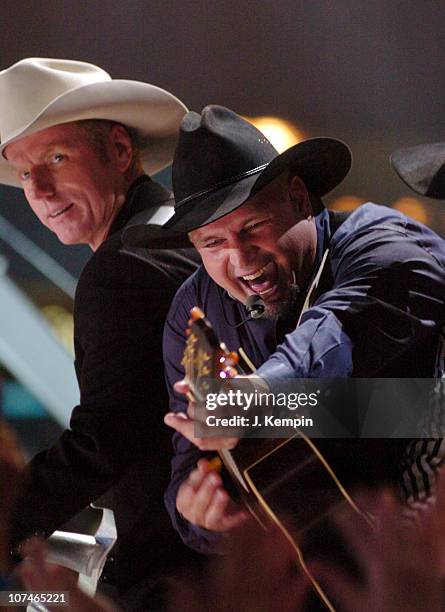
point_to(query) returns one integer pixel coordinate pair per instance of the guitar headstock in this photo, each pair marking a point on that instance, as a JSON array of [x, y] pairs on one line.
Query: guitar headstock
[[205, 360]]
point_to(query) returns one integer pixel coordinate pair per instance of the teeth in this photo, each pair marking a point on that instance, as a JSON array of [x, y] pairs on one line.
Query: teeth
[[266, 291], [257, 274], [60, 211]]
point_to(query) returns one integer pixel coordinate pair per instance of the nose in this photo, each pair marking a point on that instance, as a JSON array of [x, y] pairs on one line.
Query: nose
[[40, 184], [242, 256]]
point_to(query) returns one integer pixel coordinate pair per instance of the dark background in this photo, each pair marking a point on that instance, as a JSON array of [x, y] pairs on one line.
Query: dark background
[[370, 73]]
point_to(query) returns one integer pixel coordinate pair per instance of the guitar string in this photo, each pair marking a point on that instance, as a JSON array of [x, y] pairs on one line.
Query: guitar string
[[292, 542]]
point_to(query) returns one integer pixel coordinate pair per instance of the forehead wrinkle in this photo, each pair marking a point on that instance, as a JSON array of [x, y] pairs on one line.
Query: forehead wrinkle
[[43, 150], [68, 136]]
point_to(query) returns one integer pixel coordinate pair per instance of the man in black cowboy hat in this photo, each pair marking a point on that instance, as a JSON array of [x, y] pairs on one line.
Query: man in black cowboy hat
[[80, 145], [376, 282], [422, 168]]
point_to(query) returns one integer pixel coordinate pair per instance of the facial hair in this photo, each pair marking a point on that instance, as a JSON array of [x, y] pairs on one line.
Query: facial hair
[[289, 306]]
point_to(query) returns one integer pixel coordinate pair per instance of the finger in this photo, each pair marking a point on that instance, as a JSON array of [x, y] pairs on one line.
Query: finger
[[210, 465], [191, 493], [30, 576], [219, 517], [180, 423], [184, 500], [181, 386], [33, 569], [196, 477], [204, 496], [191, 410]]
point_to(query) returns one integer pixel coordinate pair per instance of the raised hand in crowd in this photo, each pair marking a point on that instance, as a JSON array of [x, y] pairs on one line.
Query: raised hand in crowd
[[401, 566], [258, 573], [39, 575], [401, 563]]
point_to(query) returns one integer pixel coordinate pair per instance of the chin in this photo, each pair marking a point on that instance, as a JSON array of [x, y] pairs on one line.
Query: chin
[[286, 307], [275, 310], [69, 239]]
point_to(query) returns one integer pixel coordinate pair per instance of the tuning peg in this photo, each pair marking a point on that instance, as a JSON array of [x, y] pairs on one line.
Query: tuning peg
[[197, 313]]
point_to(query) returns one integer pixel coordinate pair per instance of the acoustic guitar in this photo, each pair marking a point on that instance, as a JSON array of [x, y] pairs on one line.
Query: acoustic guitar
[[287, 482]]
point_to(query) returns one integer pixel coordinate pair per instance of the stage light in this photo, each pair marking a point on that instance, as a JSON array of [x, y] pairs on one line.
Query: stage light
[[62, 324], [347, 202], [280, 132], [412, 207]]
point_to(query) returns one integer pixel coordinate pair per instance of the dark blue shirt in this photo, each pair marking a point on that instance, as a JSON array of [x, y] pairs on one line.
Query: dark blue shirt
[[378, 312]]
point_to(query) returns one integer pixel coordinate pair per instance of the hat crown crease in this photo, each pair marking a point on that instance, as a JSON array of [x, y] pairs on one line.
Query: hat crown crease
[[233, 147], [29, 86]]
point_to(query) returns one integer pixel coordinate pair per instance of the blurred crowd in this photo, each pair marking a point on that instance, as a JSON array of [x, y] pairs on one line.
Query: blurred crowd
[[401, 564]]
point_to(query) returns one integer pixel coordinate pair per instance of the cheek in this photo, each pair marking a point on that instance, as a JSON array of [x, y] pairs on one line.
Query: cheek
[[38, 209], [283, 247], [217, 265], [90, 199]]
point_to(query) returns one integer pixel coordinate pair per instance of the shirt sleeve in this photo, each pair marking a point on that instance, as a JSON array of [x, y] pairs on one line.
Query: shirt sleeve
[[185, 454], [386, 295]]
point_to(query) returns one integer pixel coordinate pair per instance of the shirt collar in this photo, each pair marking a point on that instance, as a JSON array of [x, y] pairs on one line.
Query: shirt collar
[[323, 235], [143, 193]]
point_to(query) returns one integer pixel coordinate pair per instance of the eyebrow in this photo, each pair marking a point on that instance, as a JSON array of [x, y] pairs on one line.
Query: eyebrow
[[67, 144], [201, 239], [52, 144], [260, 215]]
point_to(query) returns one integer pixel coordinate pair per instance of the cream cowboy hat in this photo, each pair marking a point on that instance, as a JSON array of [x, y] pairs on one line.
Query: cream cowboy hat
[[37, 93]]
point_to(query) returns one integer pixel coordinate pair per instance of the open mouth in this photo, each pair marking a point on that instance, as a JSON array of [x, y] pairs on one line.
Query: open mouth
[[262, 281], [59, 212]]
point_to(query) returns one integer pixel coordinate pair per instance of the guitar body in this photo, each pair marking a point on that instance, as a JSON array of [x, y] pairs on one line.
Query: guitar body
[[287, 479], [288, 482]]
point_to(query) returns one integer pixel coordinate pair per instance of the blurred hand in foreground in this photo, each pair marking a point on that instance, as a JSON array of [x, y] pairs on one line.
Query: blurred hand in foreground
[[258, 573], [400, 564], [12, 470], [39, 575]]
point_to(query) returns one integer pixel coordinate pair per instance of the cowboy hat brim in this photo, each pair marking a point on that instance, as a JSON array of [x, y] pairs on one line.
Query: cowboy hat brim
[[422, 168], [321, 163], [154, 112]]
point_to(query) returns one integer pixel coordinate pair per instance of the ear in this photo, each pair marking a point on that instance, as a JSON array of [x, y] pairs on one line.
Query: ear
[[299, 195], [122, 147]]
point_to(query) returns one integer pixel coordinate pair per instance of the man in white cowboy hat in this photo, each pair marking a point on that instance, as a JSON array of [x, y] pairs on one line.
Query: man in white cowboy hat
[[370, 288], [80, 145]]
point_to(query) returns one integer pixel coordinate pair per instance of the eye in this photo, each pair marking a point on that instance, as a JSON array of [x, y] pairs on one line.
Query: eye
[[213, 243], [24, 175], [254, 226], [57, 158]]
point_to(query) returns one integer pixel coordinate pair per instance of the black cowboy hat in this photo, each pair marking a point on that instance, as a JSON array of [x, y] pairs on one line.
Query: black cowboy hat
[[422, 168], [221, 161]]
